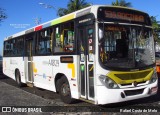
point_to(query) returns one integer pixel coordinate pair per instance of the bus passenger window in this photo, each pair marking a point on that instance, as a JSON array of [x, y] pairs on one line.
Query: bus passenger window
[[58, 40], [44, 42], [68, 41], [20, 46], [64, 38], [6, 48]]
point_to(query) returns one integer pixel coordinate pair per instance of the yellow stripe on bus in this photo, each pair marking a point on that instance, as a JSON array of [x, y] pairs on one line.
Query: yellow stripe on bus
[[34, 68], [72, 67], [130, 77], [63, 19]]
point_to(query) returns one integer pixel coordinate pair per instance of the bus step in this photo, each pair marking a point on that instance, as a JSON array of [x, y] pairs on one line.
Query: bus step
[[88, 101], [30, 84]]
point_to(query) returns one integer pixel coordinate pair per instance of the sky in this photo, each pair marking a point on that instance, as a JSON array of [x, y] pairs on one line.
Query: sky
[[22, 13]]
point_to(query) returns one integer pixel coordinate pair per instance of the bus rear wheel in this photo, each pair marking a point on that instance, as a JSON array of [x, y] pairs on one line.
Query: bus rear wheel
[[64, 90], [18, 78]]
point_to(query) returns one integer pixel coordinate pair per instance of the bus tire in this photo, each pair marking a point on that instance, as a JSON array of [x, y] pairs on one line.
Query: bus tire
[[18, 78], [57, 86], [64, 90]]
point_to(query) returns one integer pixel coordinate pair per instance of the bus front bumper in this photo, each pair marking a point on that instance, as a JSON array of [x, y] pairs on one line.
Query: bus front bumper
[[106, 96]]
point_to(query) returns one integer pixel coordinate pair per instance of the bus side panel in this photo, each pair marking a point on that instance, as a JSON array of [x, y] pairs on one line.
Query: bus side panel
[[6, 66], [45, 69], [42, 72], [10, 64], [70, 70]]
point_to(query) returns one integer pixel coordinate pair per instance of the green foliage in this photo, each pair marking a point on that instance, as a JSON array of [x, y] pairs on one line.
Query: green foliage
[[62, 12], [156, 28], [73, 5], [3, 15], [121, 3], [155, 23]]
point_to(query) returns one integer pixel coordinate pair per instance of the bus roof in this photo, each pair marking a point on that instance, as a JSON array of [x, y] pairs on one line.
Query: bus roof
[[76, 14]]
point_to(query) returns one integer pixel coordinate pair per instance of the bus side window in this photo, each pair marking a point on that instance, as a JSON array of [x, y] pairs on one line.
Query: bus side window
[[20, 46], [6, 48], [68, 41], [11, 47], [58, 42], [44, 42], [64, 37]]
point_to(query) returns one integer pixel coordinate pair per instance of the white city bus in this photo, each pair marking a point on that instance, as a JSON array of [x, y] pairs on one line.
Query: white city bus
[[100, 54]]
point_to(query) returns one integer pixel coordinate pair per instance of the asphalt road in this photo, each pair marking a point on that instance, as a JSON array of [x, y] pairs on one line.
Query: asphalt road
[[11, 95]]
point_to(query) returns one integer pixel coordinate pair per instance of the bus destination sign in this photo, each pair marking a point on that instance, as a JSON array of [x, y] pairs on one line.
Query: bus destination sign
[[115, 14], [124, 16]]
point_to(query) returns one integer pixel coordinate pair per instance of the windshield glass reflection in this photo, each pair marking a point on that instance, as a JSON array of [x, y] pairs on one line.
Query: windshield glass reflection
[[126, 47]]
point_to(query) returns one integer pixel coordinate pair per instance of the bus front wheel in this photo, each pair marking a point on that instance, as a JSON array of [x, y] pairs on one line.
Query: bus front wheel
[[64, 90], [18, 78]]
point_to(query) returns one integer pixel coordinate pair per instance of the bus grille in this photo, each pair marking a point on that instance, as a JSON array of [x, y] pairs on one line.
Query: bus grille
[[132, 76], [131, 83], [133, 92]]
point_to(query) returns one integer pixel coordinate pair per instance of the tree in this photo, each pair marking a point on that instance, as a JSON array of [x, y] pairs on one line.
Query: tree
[[121, 3], [155, 23], [156, 28], [62, 12], [73, 5], [3, 15]]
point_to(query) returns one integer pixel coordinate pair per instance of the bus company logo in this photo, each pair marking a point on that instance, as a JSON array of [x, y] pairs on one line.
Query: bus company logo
[[135, 84], [6, 109]]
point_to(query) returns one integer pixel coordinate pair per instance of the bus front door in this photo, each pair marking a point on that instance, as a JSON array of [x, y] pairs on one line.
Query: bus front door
[[86, 51], [29, 59]]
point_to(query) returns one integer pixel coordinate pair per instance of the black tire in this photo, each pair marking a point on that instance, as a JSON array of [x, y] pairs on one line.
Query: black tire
[[57, 86], [64, 90], [18, 78]]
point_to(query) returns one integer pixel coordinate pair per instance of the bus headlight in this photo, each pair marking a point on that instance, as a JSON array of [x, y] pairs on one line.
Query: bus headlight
[[153, 78], [109, 83]]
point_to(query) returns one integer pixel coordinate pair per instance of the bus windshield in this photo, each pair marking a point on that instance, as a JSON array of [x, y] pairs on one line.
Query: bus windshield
[[125, 47]]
